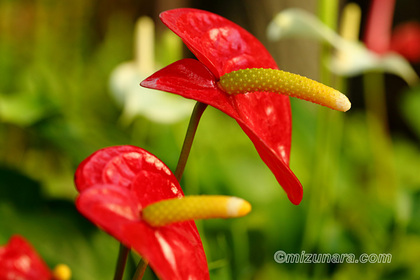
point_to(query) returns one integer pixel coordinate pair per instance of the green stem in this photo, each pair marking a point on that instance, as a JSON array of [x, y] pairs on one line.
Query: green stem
[[141, 268], [189, 137], [122, 260]]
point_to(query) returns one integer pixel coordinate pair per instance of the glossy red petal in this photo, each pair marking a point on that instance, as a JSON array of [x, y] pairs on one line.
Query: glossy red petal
[[264, 117], [220, 44], [18, 260], [118, 165], [93, 170], [128, 167], [178, 246], [175, 251], [110, 207], [191, 79]]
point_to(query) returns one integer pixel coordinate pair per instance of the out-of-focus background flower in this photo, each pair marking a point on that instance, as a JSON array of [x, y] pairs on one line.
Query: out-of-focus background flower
[[68, 75]]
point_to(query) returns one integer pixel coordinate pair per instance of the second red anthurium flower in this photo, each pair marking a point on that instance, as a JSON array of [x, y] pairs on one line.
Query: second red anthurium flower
[[249, 95], [134, 197], [115, 185]]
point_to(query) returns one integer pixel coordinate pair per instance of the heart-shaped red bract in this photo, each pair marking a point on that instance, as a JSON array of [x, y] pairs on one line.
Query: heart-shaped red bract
[[221, 46], [115, 184]]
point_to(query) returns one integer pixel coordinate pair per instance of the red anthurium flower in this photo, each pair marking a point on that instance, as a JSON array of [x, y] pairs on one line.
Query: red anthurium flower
[[115, 185], [222, 47], [18, 260], [235, 74]]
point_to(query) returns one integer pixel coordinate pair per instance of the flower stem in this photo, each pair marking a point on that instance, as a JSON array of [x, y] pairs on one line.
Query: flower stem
[[122, 260], [189, 137], [141, 268]]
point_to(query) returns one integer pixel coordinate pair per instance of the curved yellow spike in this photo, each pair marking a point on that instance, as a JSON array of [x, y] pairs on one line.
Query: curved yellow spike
[[61, 272], [194, 207], [278, 81]]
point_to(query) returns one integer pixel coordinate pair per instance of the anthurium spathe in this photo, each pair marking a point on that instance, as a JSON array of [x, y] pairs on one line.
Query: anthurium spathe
[[115, 184], [19, 261], [121, 190], [222, 47]]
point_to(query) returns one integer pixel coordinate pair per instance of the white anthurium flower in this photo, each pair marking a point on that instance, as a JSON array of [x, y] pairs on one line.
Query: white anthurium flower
[[157, 106], [351, 57]]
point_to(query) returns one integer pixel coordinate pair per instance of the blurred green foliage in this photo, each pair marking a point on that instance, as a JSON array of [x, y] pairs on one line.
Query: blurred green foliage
[[55, 110]]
